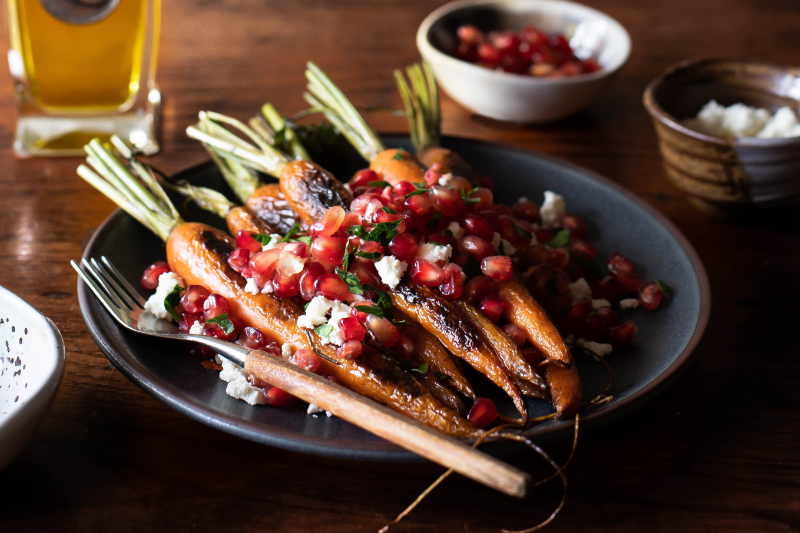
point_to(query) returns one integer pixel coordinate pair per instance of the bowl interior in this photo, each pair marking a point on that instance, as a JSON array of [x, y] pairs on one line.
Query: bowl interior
[[683, 91], [31, 355], [590, 32]]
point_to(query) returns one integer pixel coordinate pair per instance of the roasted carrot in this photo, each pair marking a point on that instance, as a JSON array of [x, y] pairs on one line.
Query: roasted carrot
[[395, 166], [241, 217], [449, 162], [269, 204], [198, 253], [442, 319], [565, 388], [309, 190]]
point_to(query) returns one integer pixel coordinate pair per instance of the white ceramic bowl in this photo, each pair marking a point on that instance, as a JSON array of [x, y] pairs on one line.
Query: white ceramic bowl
[[514, 97], [31, 367]]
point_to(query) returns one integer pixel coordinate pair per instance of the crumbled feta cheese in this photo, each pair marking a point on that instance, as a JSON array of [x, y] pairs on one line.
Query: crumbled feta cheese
[[251, 287], [268, 288], [435, 252], [196, 329], [391, 270], [496, 240], [597, 304], [313, 409], [552, 208], [600, 349], [328, 414], [740, 120], [316, 313], [456, 229], [580, 290], [445, 179], [508, 249], [522, 200], [274, 241], [287, 350], [339, 311], [238, 385], [629, 303], [166, 283]]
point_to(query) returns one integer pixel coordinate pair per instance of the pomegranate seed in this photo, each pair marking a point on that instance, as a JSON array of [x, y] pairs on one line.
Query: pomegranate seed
[[560, 43], [575, 225], [584, 249], [506, 42], [245, 240], [349, 350], [362, 316], [351, 329], [152, 273], [492, 307], [534, 36], [285, 286], [404, 247], [478, 287], [489, 55], [508, 230], [571, 68], [423, 272], [278, 397], [544, 234], [480, 226], [596, 328], [558, 257], [307, 359], [308, 280], [470, 34], [497, 267], [609, 315], [362, 178], [374, 211], [576, 318], [187, 321], [252, 338], [372, 249], [461, 259], [442, 238], [533, 255], [404, 187], [532, 355], [590, 65], [328, 250], [194, 298], [516, 333], [383, 330], [239, 259], [475, 246], [446, 201], [621, 336], [405, 345], [453, 285], [366, 273], [265, 263], [618, 263], [350, 219], [467, 52], [331, 287], [485, 199], [526, 211], [482, 413], [432, 175], [419, 203], [650, 295], [628, 282], [606, 288], [359, 204], [215, 305]]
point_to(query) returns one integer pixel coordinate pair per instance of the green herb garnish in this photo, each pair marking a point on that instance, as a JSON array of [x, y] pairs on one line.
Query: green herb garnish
[[443, 377], [324, 330], [305, 239], [465, 197], [415, 193], [387, 209], [371, 310], [291, 232], [374, 256], [421, 369], [262, 238], [352, 281], [399, 155], [171, 302], [224, 322], [664, 287], [561, 239], [434, 221], [522, 232], [378, 183], [402, 323], [346, 256]]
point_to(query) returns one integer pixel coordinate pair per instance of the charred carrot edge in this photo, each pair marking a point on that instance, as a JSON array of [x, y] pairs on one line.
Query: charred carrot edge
[[241, 217], [439, 359], [269, 204], [506, 349], [441, 318], [310, 190]]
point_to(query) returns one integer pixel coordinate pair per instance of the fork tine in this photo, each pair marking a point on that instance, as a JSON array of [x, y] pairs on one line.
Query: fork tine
[[122, 281], [101, 281], [108, 278], [107, 301]]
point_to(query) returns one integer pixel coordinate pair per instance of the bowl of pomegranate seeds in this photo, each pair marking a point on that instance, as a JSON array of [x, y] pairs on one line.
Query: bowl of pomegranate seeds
[[524, 61]]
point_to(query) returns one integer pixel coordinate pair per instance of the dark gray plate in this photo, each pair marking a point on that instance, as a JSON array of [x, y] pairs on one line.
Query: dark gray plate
[[617, 221]]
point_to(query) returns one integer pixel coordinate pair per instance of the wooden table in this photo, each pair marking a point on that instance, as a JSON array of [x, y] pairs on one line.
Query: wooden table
[[717, 452]]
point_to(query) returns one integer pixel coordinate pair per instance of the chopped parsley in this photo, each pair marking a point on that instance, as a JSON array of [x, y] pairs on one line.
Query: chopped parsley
[[171, 302], [379, 184], [262, 238], [421, 369], [291, 232], [561, 239], [399, 155], [352, 281], [666, 289], [224, 322], [324, 330]]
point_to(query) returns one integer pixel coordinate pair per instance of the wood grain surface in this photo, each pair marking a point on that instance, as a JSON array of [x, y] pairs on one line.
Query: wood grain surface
[[717, 452]]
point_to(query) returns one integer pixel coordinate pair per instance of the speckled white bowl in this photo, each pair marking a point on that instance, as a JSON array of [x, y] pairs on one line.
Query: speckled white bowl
[[514, 97], [31, 367]]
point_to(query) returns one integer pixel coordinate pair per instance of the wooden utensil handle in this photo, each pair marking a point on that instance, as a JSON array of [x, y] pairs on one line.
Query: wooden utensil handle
[[387, 424]]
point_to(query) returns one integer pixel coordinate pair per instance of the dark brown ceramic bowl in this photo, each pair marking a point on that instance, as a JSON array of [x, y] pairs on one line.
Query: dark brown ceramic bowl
[[718, 171]]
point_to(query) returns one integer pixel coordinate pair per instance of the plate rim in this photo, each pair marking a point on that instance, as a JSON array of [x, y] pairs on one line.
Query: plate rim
[[381, 450]]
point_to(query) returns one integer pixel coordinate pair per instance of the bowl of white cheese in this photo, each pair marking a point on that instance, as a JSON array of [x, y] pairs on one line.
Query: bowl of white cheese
[[729, 130]]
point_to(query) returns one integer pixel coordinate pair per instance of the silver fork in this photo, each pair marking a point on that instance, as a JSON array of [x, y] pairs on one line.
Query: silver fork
[[127, 307]]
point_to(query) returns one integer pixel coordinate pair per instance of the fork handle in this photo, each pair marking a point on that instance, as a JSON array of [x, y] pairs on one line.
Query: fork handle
[[388, 424]]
